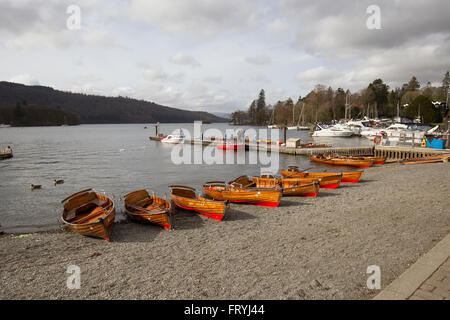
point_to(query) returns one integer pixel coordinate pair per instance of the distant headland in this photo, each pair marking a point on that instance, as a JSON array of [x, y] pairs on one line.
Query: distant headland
[[22, 105]]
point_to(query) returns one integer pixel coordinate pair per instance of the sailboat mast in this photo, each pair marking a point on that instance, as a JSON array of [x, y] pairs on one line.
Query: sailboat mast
[[293, 112]]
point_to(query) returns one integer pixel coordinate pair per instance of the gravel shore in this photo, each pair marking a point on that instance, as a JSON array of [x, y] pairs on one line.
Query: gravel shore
[[307, 248]]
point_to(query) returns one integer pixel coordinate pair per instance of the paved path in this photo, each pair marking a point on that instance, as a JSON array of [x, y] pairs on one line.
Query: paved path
[[427, 279], [436, 287]]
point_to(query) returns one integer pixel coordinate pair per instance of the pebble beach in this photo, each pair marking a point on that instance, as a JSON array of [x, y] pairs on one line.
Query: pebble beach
[[307, 248]]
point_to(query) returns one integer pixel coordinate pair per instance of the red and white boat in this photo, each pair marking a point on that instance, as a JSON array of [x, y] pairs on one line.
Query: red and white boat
[[231, 146]]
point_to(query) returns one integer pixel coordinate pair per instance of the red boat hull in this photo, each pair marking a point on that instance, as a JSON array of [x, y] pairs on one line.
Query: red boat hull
[[350, 180], [330, 186], [269, 204], [213, 216], [312, 194], [230, 146]]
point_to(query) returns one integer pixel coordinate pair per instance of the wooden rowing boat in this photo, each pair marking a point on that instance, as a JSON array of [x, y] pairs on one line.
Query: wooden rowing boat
[[143, 207], [289, 186], [376, 160], [431, 159], [241, 191], [347, 177], [89, 213], [342, 161], [185, 198], [331, 181]]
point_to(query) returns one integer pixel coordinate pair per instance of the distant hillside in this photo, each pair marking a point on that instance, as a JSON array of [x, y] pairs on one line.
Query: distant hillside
[[99, 109], [35, 115], [223, 115]]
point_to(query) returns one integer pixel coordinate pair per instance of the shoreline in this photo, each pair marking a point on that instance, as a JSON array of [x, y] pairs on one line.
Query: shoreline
[[307, 248]]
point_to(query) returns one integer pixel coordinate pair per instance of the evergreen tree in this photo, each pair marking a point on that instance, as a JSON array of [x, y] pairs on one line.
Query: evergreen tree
[[428, 112], [381, 92], [252, 112], [261, 108], [413, 84]]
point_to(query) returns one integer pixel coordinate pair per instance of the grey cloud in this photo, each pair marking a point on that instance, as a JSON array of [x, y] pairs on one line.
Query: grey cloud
[[259, 59], [196, 17], [183, 59]]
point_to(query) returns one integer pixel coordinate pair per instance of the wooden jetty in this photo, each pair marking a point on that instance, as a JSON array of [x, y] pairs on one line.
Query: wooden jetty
[[392, 153], [397, 153]]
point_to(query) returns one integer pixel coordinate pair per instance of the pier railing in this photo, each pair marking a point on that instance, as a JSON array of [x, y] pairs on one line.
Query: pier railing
[[397, 153]]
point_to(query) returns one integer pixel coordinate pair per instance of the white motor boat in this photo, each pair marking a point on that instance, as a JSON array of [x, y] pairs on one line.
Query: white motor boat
[[333, 131], [298, 128], [173, 138], [399, 132]]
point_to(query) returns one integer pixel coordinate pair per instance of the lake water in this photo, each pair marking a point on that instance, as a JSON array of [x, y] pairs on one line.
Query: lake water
[[114, 159]]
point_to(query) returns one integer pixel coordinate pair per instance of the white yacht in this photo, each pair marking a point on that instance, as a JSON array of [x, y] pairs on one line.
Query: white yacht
[[333, 131], [173, 138], [399, 131]]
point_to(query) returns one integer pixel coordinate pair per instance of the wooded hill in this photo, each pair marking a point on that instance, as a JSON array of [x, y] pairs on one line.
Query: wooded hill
[[35, 115], [98, 109]]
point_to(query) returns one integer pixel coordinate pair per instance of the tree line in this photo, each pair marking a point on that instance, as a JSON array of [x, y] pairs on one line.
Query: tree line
[[377, 100]]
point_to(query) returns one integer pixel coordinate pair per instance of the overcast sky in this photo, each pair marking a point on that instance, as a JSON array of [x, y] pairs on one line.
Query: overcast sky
[[216, 55]]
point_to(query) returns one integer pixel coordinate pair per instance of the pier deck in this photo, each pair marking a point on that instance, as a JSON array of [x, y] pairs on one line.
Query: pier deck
[[392, 153]]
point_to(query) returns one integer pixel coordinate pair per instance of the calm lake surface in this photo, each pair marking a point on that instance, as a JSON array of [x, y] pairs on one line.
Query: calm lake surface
[[114, 159]]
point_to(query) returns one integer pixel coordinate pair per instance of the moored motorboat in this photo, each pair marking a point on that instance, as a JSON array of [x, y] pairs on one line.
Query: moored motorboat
[[172, 139], [185, 197], [341, 161], [143, 207], [347, 177], [6, 153], [332, 131], [89, 213], [230, 146], [243, 192]]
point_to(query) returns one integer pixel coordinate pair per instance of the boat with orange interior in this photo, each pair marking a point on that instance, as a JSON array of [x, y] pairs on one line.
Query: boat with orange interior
[[143, 207], [185, 197], [341, 161], [331, 181], [289, 186], [89, 213], [243, 190], [347, 177]]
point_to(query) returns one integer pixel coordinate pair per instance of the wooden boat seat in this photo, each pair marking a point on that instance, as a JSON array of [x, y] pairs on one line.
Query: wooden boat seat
[[243, 182], [79, 214], [155, 207], [88, 216], [187, 193]]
